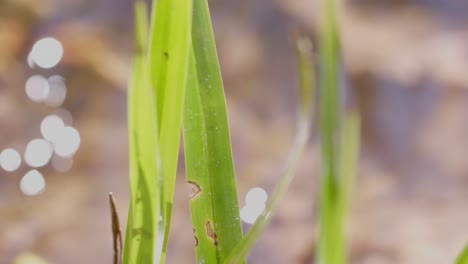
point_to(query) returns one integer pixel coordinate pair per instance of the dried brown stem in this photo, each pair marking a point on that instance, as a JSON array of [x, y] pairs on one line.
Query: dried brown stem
[[116, 232]]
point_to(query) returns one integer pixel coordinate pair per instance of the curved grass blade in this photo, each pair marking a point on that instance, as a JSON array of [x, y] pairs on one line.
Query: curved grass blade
[[210, 171], [304, 55], [143, 147], [168, 54], [463, 257]]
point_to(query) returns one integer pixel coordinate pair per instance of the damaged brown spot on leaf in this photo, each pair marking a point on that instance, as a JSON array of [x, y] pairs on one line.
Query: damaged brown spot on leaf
[[195, 236], [196, 190], [211, 233]]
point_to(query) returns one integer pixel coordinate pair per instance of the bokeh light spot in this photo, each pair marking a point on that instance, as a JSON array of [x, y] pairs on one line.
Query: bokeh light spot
[[38, 153], [51, 127], [250, 213], [255, 203], [58, 91], [10, 160], [61, 164], [68, 142], [256, 196], [37, 88], [46, 53], [33, 183]]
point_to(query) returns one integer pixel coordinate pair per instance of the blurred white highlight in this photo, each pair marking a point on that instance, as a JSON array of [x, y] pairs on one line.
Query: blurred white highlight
[[256, 196], [38, 153], [46, 53], [37, 88], [10, 160], [255, 203], [61, 164], [51, 126], [67, 142], [58, 91], [33, 183]]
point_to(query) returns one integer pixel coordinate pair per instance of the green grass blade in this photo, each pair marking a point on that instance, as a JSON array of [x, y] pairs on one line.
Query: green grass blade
[[349, 156], [306, 69], [168, 53], [156, 101], [339, 147], [143, 147], [463, 257], [331, 244], [210, 171]]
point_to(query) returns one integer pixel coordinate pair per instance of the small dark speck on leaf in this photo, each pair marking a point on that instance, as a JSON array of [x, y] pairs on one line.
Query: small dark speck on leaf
[[166, 55]]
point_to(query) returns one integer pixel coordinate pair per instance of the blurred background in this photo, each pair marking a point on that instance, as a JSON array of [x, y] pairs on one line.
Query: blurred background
[[64, 66]]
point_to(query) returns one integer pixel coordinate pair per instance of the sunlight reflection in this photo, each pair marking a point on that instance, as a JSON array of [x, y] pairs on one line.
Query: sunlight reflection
[[51, 126], [61, 164], [68, 142], [250, 213], [46, 53], [38, 153], [33, 183], [37, 88], [65, 139], [254, 205], [58, 91], [10, 159], [256, 196], [65, 115]]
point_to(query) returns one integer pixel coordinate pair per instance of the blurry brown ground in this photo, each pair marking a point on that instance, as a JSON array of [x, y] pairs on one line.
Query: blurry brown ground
[[408, 65]]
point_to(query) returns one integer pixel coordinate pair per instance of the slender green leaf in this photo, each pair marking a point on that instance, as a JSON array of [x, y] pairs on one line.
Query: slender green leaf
[[143, 148], [304, 54], [168, 54], [463, 258], [349, 155], [210, 171], [339, 147], [331, 244]]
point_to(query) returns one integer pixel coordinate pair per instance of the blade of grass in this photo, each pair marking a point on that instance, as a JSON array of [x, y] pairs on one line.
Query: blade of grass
[[331, 243], [463, 257], [339, 147], [210, 171], [143, 147], [303, 47], [349, 155], [169, 54]]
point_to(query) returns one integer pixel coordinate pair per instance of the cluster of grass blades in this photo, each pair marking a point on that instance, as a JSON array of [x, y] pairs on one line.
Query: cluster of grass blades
[[155, 106], [176, 86]]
